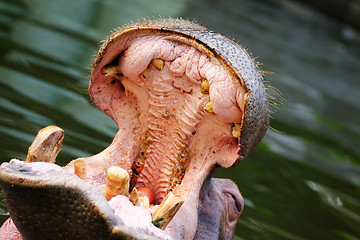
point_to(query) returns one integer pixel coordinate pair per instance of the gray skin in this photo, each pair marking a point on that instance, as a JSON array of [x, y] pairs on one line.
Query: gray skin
[[62, 206]]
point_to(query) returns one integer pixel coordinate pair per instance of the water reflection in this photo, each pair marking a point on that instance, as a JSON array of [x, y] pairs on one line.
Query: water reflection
[[303, 180]]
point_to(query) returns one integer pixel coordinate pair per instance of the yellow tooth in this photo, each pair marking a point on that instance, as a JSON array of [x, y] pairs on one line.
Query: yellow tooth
[[80, 168], [167, 210], [145, 73], [236, 130], [117, 182], [134, 197], [139, 201], [209, 107], [158, 63], [144, 202], [111, 71], [204, 87], [46, 145]]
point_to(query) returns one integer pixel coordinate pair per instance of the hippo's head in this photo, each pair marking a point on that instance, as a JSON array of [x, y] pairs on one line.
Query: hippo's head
[[186, 100]]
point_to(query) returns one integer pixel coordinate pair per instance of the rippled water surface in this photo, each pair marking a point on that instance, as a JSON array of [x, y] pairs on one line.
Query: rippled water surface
[[301, 182]]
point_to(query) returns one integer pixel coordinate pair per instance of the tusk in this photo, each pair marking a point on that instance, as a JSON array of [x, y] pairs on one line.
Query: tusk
[[80, 168], [167, 210], [46, 145], [117, 182]]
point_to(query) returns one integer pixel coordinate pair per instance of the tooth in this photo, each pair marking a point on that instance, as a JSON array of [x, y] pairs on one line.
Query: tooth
[[80, 168], [158, 63], [204, 87], [144, 202], [145, 73], [46, 145], [166, 210], [236, 130], [209, 107], [134, 197], [117, 182], [111, 71]]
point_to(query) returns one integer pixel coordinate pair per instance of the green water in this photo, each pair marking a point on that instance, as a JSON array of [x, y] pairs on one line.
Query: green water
[[301, 182]]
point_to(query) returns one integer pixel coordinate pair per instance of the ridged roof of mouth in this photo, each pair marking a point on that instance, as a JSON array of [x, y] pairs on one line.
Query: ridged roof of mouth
[[186, 96]]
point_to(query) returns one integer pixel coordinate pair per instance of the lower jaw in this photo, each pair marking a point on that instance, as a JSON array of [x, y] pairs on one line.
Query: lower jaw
[[182, 223], [188, 190]]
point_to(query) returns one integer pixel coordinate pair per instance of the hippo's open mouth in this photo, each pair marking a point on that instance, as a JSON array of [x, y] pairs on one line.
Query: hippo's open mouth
[[186, 100]]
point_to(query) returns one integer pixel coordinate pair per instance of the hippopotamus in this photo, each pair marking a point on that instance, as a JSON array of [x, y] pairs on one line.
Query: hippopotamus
[[186, 101]]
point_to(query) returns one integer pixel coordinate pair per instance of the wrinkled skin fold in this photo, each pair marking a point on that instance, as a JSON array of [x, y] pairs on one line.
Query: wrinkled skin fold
[[186, 101]]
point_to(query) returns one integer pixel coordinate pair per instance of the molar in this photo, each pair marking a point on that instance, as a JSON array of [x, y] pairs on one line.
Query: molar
[[209, 107], [111, 71], [204, 87], [236, 130], [158, 63], [145, 73]]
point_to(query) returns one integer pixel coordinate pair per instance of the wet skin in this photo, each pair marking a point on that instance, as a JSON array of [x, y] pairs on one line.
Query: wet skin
[[186, 101]]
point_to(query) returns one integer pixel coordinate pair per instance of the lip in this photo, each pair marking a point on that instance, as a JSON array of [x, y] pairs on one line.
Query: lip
[[50, 195], [162, 148]]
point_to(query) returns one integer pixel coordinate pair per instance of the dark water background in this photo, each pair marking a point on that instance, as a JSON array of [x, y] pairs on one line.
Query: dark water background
[[301, 182]]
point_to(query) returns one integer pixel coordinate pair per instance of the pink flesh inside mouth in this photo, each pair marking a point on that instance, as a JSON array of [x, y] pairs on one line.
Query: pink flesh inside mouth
[[165, 136]]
